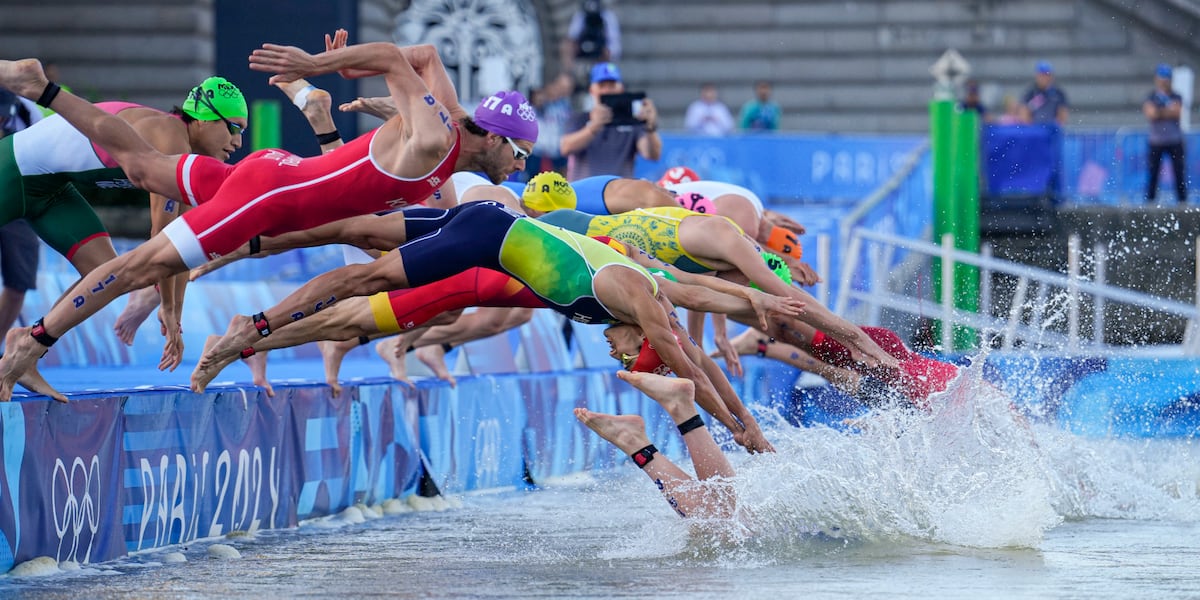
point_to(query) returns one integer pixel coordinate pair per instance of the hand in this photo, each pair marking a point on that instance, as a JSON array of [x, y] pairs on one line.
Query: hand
[[383, 107], [217, 263], [802, 273], [337, 41], [784, 221], [752, 438], [599, 117], [172, 354], [767, 306], [289, 63], [732, 361], [649, 113]]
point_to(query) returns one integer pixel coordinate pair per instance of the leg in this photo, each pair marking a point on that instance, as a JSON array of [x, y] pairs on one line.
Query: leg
[[141, 303], [145, 167], [434, 357], [1179, 168], [628, 433], [482, 225], [1154, 163], [350, 281], [136, 269], [11, 302], [343, 321], [677, 397], [18, 267], [394, 352], [315, 103], [257, 363]]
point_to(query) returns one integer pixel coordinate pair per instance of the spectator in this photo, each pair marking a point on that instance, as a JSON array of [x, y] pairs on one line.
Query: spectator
[[708, 115], [593, 36], [595, 145], [553, 105], [972, 100], [1162, 108], [1044, 102], [760, 114], [18, 242], [1012, 111]]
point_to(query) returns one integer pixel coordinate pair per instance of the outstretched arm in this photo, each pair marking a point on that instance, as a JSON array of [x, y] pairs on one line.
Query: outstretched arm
[[411, 72], [369, 232]]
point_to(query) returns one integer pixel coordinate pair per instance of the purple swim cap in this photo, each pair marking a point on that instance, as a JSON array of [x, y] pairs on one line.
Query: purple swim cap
[[508, 114]]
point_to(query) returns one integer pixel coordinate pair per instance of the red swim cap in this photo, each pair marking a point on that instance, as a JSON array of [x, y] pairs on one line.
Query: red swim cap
[[676, 175], [648, 361]]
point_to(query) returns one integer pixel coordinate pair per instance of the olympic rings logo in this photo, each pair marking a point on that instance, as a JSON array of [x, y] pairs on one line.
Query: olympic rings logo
[[79, 509]]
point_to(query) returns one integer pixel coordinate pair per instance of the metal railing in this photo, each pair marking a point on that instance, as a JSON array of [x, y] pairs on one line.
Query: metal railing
[[1045, 309]]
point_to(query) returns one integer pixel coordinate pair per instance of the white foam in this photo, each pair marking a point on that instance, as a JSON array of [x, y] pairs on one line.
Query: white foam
[[967, 474], [351, 515], [370, 512], [395, 506], [37, 567], [223, 551], [173, 558]]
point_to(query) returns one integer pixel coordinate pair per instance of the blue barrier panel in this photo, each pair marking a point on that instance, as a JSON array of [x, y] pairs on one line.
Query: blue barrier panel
[[1021, 160], [787, 167], [61, 468], [388, 464], [473, 434]]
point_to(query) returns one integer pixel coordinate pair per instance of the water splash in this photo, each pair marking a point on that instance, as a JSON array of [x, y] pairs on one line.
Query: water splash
[[968, 473]]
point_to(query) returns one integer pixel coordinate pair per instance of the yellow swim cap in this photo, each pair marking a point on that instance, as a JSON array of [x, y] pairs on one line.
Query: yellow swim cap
[[548, 191]]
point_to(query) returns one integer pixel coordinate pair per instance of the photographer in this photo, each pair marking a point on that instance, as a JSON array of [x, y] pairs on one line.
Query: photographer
[[604, 140]]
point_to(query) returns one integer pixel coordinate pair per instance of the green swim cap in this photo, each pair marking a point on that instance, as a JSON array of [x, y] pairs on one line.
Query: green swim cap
[[215, 95], [777, 265]]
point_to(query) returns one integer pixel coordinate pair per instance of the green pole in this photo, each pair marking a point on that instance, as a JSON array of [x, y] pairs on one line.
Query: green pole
[[265, 128], [941, 141], [966, 223]]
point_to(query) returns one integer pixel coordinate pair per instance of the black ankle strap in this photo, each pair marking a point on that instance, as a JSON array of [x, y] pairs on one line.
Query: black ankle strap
[[38, 332], [248, 352], [690, 425], [261, 324], [643, 457], [49, 94]]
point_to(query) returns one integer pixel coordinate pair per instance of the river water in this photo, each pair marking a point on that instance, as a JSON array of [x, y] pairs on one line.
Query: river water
[[971, 500]]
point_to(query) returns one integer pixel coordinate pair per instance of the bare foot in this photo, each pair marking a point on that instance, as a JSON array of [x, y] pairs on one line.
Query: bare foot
[[21, 353], [627, 432], [332, 354], [435, 358], [745, 342], [387, 350], [141, 303], [315, 103], [33, 381], [258, 371], [206, 370], [24, 77], [675, 395], [240, 335], [384, 108]]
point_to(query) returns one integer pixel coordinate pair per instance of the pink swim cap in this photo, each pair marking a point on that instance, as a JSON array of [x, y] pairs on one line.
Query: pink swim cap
[[697, 202]]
